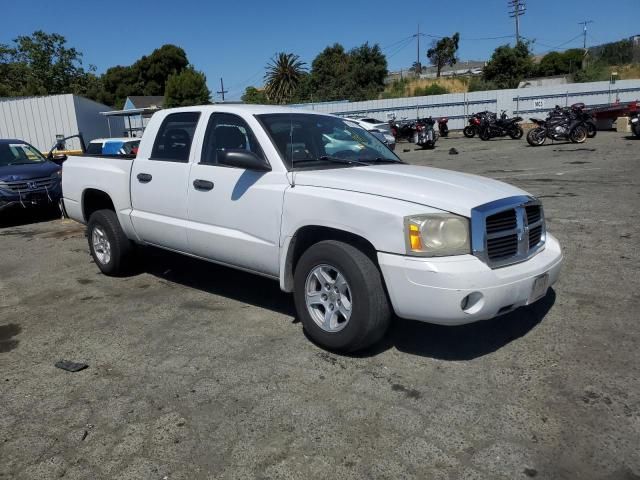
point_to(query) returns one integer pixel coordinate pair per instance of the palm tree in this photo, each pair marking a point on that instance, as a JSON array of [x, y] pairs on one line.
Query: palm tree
[[284, 73]]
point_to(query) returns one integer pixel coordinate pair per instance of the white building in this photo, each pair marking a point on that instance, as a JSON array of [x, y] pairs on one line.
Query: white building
[[38, 120]]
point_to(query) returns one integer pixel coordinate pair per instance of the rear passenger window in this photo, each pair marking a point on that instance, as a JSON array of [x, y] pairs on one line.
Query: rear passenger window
[[175, 136], [228, 132]]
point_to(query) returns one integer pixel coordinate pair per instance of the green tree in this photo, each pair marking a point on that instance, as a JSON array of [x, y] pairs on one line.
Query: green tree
[[284, 73], [40, 64], [253, 95], [154, 70], [355, 75], [329, 74], [367, 71], [443, 52], [147, 76], [189, 87], [508, 65], [615, 53], [555, 63]]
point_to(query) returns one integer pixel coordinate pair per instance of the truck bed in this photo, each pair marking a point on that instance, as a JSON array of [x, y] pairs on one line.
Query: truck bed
[[109, 174]]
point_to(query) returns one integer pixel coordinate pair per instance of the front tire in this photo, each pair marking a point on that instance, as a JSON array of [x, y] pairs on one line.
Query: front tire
[[484, 134], [108, 244], [536, 137], [469, 131], [516, 132], [340, 297], [592, 131]]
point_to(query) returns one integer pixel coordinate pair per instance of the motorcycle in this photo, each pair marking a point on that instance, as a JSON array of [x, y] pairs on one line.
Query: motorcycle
[[472, 129], [577, 111], [634, 120], [557, 128], [403, 130], [494, 127], [425, 136], [443, 128]]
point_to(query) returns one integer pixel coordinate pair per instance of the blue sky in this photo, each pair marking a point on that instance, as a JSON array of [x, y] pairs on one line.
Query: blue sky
[[235, 40]]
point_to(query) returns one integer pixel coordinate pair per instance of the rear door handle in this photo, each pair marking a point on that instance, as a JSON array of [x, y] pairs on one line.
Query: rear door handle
[[203, 185], [144, 177]]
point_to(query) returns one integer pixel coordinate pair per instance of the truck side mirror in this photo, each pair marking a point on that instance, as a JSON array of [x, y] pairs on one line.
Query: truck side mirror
[[243, 159]]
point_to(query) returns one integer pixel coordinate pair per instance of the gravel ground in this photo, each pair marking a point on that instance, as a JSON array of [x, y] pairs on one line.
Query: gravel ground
[[197, 371]]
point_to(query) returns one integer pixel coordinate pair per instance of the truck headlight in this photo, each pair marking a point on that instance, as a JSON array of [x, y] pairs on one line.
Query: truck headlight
[[437, 235]]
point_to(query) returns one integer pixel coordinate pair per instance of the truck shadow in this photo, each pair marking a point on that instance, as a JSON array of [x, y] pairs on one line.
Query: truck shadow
[[463, 342]]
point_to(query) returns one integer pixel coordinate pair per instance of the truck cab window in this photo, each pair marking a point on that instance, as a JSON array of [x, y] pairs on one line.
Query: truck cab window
[[227, 132], [175, 136]]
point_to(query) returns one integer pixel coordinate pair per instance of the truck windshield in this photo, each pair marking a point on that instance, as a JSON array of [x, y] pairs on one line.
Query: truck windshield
[[19, 154], [318, 141]]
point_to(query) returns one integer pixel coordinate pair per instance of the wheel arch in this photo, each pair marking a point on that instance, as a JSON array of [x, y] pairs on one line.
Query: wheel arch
[[94, 199], [309, 235]]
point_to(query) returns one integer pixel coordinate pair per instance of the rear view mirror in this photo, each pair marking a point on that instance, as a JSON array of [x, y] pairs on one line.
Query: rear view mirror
[[242, 159]]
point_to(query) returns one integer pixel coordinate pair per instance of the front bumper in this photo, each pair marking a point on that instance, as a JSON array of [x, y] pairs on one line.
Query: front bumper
[[30, 199], [433, 289]]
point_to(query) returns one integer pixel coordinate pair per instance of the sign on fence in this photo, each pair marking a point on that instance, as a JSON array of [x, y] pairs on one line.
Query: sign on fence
[[538, 103]]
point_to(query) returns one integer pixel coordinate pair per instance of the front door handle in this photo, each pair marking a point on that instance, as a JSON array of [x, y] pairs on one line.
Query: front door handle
[[144, 177], [203, 185]]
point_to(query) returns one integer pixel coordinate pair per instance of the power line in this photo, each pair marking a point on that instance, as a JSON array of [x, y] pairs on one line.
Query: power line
[[554, 47]]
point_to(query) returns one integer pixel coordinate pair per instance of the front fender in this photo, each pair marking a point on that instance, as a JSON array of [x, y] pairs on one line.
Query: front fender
[[379, 220]]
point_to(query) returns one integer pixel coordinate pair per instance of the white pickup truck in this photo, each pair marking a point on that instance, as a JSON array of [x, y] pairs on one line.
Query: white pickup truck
[[322, 206]]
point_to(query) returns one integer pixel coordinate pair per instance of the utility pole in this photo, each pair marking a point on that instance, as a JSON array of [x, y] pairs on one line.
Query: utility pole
[[222, 90], [584, 32], [418, 62], [518, 8]]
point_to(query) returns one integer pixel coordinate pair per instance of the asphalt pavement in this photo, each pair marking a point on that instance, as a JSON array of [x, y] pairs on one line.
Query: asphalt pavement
[[201, 372]]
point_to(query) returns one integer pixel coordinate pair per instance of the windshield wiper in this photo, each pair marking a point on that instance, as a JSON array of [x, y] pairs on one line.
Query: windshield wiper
[[23, 163], [344, 161], [379, 160]]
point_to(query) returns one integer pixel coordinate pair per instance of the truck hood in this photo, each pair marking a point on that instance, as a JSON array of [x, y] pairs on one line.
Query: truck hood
[[447, 190], [10, 173]]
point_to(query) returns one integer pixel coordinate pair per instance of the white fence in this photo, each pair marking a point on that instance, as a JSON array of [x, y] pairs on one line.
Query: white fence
[[458, 107]]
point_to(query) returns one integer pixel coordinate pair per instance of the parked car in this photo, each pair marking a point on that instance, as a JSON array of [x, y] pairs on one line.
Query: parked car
[[380, 130], [372, 124], [27, 178], [113, 146], [354, 233]]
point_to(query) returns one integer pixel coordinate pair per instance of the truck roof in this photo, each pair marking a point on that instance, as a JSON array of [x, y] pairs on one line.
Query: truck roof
[[250, 109]]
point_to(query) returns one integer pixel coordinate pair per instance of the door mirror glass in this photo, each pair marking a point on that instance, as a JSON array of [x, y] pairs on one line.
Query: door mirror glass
[[240, 158]]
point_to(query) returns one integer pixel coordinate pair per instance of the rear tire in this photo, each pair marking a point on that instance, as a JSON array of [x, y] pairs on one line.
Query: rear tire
[[469, 131], [368, 308], [536, 137], [109, 246], [578, 134]]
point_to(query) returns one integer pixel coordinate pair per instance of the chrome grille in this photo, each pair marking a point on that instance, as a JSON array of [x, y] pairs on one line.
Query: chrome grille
[[31, 185], [501, 221], [507, 231]]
